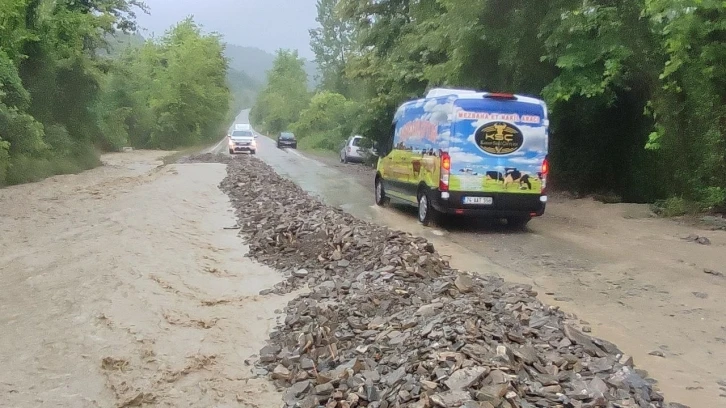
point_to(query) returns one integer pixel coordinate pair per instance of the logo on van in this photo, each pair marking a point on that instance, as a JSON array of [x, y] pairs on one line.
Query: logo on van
[[499, 138]]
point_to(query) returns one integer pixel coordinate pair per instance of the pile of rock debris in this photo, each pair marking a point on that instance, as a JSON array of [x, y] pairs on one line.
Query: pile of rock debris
[[388, 323]]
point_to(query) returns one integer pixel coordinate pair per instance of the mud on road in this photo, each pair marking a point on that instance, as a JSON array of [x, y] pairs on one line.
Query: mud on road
[[121, 286]]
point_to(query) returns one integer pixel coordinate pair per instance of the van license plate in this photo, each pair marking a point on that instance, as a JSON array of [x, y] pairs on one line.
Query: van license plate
[[478, 200]]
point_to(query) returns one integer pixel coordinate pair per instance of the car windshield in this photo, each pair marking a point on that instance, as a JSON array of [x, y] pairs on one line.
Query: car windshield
[[242, 133], [287, 136]]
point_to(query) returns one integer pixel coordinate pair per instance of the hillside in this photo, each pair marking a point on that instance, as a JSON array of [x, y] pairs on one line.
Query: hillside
[[247, 66], [243, 87], [119, 41], [255, 62]]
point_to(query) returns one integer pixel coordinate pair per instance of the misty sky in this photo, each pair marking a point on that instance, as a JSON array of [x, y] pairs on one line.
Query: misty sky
[[266, 24]]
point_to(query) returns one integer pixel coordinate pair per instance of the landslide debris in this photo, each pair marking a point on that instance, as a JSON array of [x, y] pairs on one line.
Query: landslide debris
[[388, 323]]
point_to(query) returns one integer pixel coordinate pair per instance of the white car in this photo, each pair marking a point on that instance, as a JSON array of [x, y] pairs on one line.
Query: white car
[[242, 141], [352, 151]]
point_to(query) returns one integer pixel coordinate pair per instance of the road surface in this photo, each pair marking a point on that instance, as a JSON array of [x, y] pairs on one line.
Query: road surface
[[632, 277]]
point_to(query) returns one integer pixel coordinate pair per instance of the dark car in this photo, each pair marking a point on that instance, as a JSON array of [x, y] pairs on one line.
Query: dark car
[[287, 139]]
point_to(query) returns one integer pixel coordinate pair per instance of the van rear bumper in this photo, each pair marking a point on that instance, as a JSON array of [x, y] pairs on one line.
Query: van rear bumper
[[503, 204]]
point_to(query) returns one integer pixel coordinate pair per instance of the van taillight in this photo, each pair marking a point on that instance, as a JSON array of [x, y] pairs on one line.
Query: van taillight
[[545, 170], [545, 167], [445, 169]]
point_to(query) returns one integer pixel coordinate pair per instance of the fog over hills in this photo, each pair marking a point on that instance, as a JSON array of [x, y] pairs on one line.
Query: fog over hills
[[248, 66], [255, 62]]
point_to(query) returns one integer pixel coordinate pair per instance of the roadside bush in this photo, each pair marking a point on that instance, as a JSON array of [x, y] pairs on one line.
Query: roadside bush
[[676, 207], [328, 120], [713, 198], [27, 168]]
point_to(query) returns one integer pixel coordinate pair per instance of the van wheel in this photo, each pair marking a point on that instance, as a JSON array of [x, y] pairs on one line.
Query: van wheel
[[381, 198], [519, 223], [426, 213]]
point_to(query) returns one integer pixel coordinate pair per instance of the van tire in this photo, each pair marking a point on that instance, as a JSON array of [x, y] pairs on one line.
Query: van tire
[[518, 223], [426, 212], [380, 193]]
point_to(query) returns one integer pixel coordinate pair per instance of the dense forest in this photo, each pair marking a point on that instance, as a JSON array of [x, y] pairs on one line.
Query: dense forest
[[636, 88], [63, 98]]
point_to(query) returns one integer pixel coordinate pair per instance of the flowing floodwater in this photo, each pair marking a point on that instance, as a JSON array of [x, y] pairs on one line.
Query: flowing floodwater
[[121, 286]]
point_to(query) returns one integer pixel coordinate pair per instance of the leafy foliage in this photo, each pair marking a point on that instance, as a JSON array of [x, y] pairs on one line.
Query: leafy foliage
[[637, 89], [279, 104], [332, 44], [326, 122]]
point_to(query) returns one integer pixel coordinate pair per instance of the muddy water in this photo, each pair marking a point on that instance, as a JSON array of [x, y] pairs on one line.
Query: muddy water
[[121, 285]]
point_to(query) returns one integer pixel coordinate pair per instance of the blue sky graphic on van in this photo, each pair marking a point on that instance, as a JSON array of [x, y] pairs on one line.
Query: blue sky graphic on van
[[490, 140]]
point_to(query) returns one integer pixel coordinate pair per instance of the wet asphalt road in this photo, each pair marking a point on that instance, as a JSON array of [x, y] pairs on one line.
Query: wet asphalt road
[[330, 185]]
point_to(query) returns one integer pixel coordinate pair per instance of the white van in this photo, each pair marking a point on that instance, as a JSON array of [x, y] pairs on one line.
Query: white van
[[464, 152]]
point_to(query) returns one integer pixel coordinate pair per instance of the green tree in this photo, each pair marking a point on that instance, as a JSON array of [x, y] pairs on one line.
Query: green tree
[[332, 44], [194, 69], [690, 106], [280, 103], [327, 121]]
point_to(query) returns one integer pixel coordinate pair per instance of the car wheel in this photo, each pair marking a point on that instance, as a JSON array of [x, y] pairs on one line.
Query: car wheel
[[518, 223], [231, 151], [253, 152], [426, 213], [345, 158], [381, 198]]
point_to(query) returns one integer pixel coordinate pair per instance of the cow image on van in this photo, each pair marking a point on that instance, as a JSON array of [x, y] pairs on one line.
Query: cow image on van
[[489, 147], [513, 175]]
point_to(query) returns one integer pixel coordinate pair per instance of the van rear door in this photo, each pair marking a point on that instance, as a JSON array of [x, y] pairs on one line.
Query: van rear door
[[498, 145]]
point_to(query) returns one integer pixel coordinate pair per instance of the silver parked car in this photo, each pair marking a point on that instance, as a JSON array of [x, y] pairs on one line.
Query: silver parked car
[[352, 150]]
